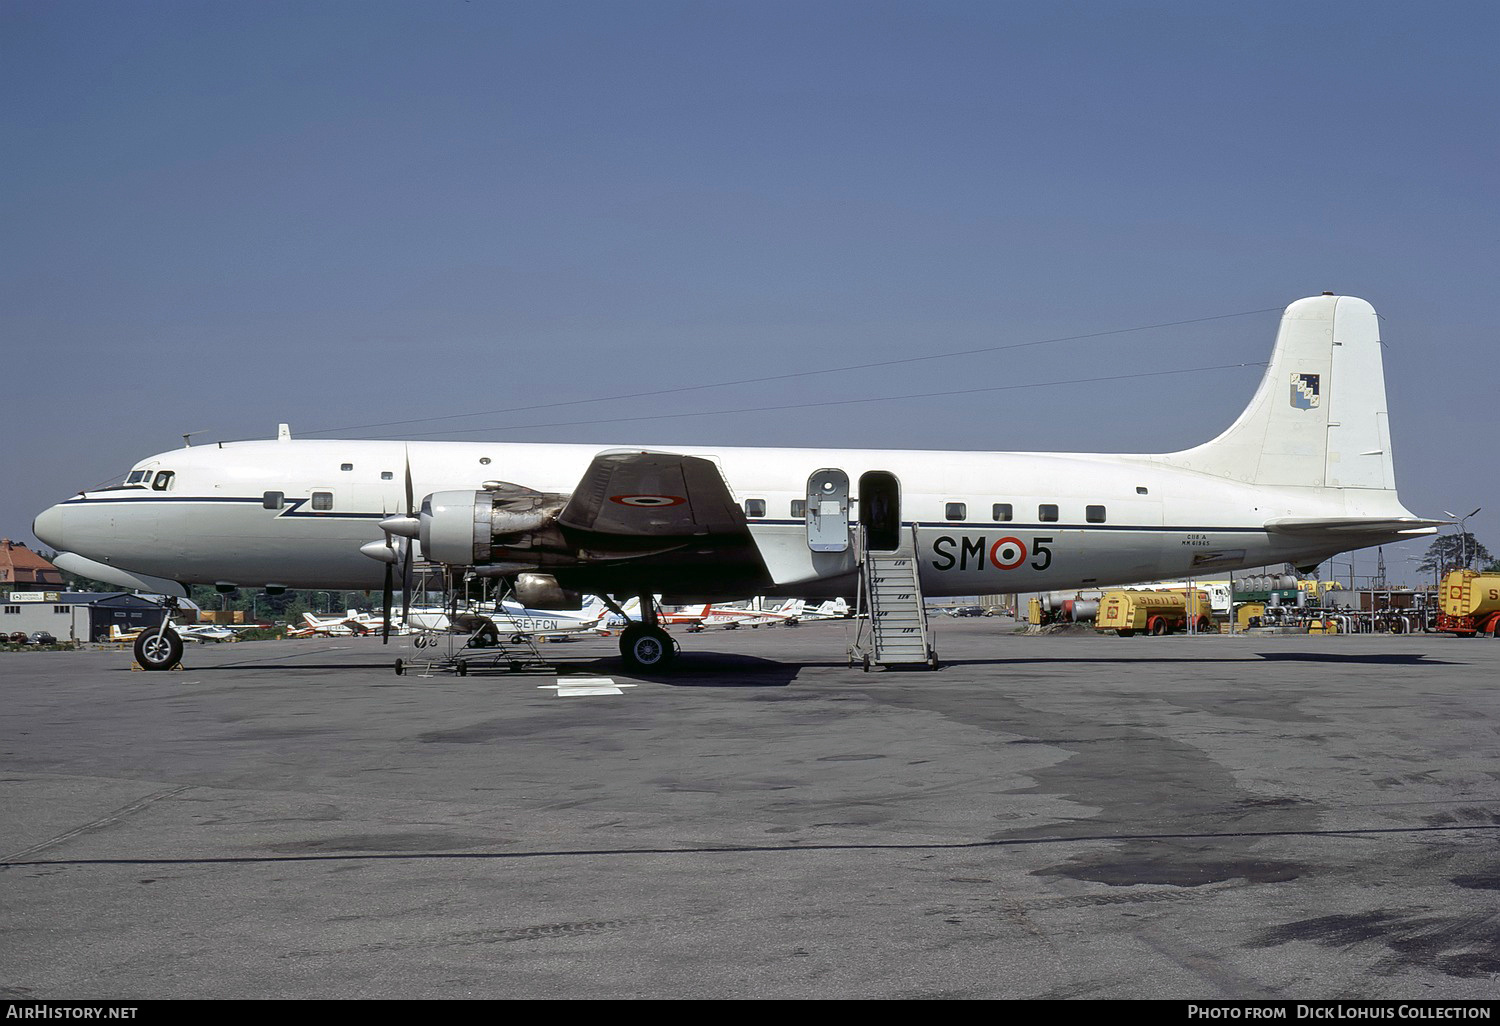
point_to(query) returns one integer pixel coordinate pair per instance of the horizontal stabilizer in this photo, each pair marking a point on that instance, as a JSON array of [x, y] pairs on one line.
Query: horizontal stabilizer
[[1354, 525]]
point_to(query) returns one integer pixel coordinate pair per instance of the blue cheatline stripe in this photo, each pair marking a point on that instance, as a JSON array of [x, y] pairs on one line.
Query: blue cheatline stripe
[[294, 510]]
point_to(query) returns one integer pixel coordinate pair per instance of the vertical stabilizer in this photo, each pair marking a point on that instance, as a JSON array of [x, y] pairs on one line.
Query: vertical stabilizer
[[1319, 417]]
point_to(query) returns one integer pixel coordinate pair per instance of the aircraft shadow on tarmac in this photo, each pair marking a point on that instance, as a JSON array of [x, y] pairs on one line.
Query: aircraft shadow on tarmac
[[728, 670], [689, 670], [699, 670], [1374, 658]]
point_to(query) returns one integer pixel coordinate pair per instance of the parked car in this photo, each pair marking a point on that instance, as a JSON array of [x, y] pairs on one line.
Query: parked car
[[42, 638], [18, 638]]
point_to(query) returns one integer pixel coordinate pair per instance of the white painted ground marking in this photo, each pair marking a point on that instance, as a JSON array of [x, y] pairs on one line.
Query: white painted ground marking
[[586, 687]]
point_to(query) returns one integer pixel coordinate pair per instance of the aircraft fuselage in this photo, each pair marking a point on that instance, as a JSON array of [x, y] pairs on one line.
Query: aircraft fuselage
[[244, 513]]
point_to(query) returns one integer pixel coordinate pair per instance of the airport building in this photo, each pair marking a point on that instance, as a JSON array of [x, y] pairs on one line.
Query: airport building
[[75, 615]]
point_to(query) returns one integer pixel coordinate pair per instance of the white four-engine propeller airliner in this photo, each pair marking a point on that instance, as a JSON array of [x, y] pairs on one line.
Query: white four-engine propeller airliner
[[1304, 473]]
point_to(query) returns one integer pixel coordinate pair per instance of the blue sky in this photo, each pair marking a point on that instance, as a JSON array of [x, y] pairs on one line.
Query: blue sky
[[220, 216]]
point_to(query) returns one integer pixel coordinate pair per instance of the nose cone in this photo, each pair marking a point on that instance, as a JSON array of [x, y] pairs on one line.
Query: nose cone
[[48, 528]]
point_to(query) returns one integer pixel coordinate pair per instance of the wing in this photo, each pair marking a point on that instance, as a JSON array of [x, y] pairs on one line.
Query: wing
[[642, 522], [653, 495]]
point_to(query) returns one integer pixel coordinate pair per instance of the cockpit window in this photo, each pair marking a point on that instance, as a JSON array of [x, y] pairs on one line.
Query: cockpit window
[[163, 481], [136, 477]]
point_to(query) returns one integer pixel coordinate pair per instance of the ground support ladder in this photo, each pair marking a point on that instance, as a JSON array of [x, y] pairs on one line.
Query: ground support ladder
[[892, 629], [487, 648]]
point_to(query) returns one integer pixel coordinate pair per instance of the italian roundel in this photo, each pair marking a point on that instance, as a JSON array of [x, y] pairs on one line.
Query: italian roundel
[[1008, 553], [648, 500]]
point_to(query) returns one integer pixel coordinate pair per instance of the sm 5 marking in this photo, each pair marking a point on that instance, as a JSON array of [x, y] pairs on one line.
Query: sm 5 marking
[[1005, 553]]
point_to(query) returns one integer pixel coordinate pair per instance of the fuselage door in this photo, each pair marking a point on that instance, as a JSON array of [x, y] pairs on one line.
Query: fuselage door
[[828, 511], [880, 510]]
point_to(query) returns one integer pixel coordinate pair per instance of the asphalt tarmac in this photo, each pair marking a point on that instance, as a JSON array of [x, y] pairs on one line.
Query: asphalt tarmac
[[1070, 816]]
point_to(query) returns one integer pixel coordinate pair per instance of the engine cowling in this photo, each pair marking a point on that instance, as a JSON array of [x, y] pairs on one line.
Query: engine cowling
[[541, 591], [503, 524]]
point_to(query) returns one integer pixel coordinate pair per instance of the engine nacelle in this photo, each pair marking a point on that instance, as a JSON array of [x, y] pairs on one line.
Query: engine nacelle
[[502, 524], [541, 591]]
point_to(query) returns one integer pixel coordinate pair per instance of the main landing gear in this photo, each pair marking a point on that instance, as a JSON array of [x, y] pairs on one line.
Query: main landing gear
[[645, 646]]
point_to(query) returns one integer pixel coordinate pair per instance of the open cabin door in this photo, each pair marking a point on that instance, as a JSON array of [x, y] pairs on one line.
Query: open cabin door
[[828, 511], [880, 510]]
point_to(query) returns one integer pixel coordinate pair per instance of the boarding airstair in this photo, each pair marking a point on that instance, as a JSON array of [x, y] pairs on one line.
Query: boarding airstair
[[892, 629]]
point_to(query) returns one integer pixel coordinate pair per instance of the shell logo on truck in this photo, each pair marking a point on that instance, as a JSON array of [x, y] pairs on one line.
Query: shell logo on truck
[[1154, 612], [1470, 604]]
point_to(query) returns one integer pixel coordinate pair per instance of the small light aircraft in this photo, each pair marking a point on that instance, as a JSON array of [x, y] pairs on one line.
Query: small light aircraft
[[832, 609], [1305, 472], [490, 624], [206, 632], [734, 617], [354, 621]]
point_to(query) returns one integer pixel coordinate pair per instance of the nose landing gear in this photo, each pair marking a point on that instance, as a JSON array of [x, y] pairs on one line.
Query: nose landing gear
[[159, 648]]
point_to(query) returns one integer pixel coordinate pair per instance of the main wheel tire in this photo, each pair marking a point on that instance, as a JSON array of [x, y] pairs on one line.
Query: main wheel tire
[[487, 636], [158, 650], [646, 648]]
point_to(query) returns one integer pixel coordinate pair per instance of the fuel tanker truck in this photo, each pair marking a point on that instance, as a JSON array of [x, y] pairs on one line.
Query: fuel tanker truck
[[1153, 612], [1470, 604]]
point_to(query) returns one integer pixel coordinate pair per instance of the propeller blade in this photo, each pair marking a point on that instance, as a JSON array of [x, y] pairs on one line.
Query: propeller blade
[[411, 504], [385, 630], [406, 581]]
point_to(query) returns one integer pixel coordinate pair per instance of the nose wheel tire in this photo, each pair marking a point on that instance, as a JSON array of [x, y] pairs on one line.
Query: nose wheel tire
[[158, 650], [646, 648]]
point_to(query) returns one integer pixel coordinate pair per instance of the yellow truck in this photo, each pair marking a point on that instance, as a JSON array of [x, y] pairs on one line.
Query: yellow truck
[[1469, 604], [1153, 612]]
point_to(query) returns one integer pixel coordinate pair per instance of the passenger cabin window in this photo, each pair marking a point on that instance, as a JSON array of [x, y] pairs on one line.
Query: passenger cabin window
[[273, 500], [1003, 511], [346, 466], [1140, 490], [799, 507], [386, 475], [955, 511], [1094, 514], [322, 501], [163, 481], [1047, 513], [755, 507]]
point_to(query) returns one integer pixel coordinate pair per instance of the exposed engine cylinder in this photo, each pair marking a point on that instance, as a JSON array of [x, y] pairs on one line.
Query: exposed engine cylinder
[[501, 524]]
